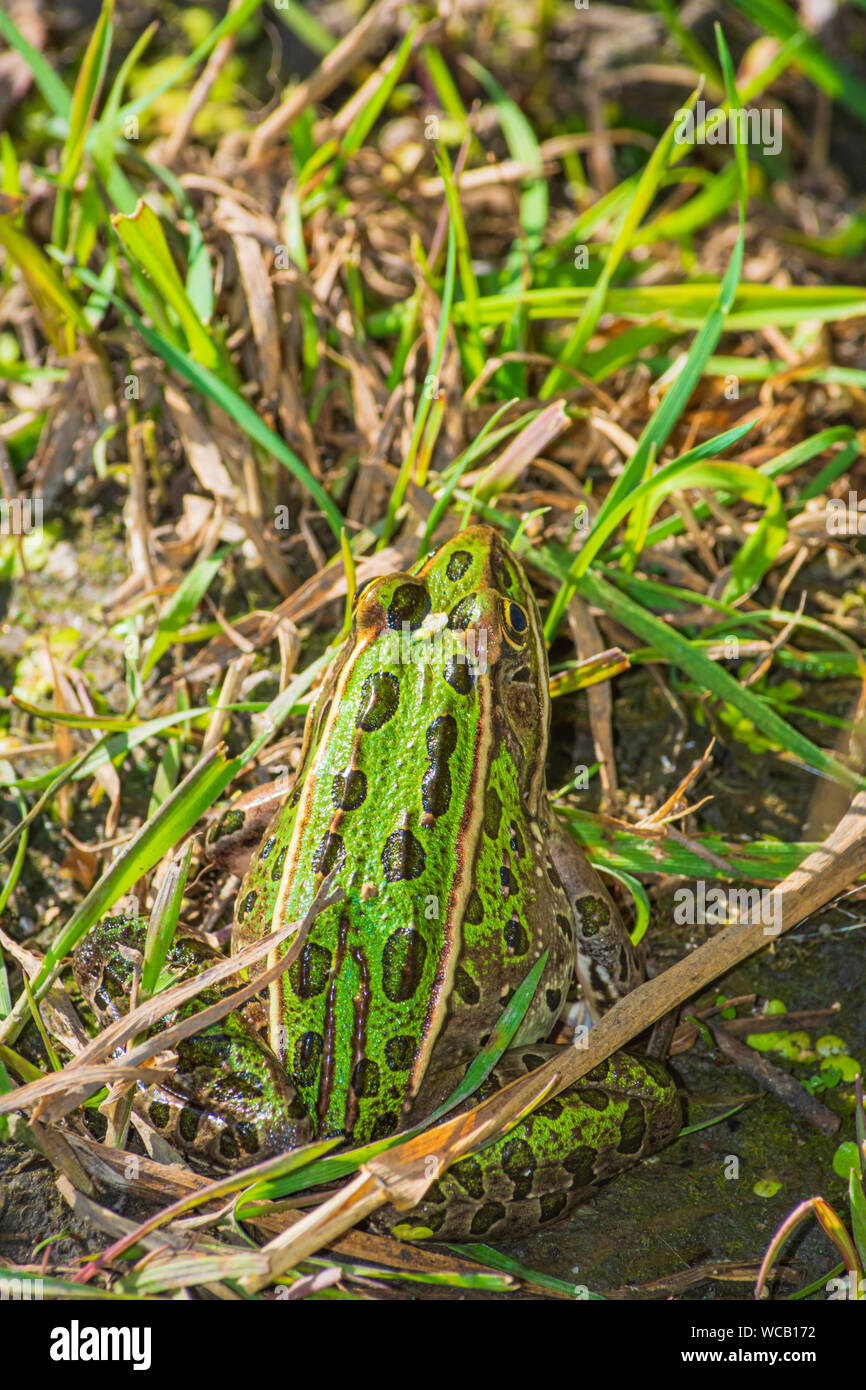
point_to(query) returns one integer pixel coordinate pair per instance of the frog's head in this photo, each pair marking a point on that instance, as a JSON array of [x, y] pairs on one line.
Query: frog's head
[[474, 589]]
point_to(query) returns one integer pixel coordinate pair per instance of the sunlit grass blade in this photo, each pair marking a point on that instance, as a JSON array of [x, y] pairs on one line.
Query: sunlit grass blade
[[41, 1286], [229, 24], [52, 87], [58, 311], [612, 846], [714, 678], [143, 238], [591, 671], [533, 213], [704, 207], [470, 342], [229, 400], [785, 462], [506, 1026], [338, 1166], [88, 87], [459, 467], [163, 923], [390, 72], [665, 417], [181, 607], [104, 136], [198, 282], [680, 307], [832, 76], [689, 43], [117, 745], [428, 391], [446, 88], [634, 214], [194, 795]]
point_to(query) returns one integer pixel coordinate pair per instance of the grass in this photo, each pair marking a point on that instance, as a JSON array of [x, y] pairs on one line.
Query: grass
[[363, 331]]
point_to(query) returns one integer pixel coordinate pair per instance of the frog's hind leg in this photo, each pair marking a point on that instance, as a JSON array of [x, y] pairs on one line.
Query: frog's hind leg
[[605, 960], [230, 1102], [622, 1111]]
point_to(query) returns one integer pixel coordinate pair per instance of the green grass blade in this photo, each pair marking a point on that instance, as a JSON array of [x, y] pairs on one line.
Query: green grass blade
[[163, 922], [180, 608], [690, 45], [144, 242], [505, 1028], [676, 307], [120, 190], [533, 213], [785, 462], [230, 401], [53, 88], [230, 24], [428, 391], [674, 402], [199, 280], [189, 801], [390, 76], [827, 73], [470, 343], [58, 311], [634, 852], [88, 86], [648, 184], [711, 202], [307, 28], [714, 678]]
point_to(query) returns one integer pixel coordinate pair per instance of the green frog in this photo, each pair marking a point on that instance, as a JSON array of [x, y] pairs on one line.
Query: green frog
[[421, 793]]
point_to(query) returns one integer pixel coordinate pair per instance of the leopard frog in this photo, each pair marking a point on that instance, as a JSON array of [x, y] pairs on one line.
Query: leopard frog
[[421, 792]]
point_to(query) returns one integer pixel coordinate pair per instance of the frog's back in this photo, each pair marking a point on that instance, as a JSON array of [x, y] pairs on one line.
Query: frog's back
[[421, 793]]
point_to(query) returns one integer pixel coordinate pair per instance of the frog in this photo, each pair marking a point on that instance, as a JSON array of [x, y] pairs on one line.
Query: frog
[[421, 796]]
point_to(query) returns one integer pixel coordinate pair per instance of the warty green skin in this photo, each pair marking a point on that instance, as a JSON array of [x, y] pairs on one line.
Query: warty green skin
[[421, 790]]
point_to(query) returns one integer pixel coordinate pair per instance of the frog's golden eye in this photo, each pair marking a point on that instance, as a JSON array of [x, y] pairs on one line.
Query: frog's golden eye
[[516, 622]]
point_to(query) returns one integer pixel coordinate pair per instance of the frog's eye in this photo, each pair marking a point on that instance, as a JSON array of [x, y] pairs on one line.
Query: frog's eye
[[516, 622]]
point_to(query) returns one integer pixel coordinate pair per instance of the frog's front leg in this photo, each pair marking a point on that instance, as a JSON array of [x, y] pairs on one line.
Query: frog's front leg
[[606, 962], [240, 828], [230, 1102]]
